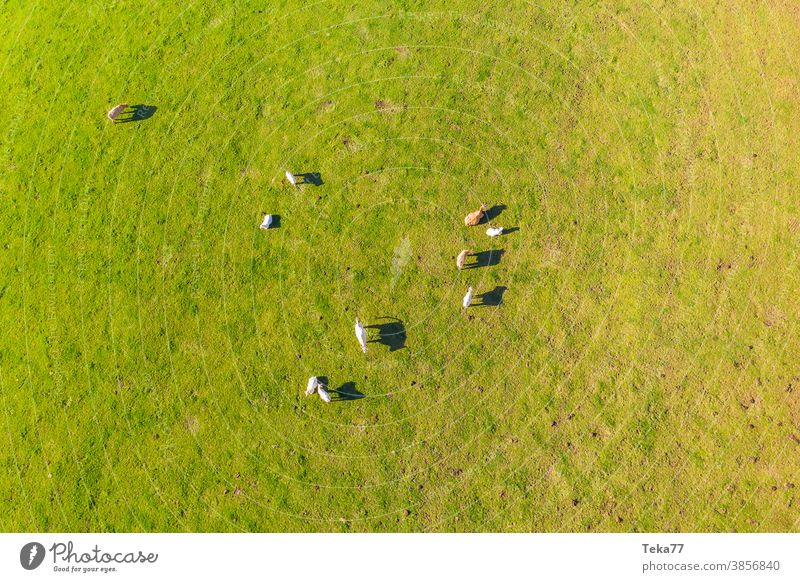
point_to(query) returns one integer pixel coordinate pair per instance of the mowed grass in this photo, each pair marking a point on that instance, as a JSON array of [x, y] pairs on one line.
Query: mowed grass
[[641, 372]]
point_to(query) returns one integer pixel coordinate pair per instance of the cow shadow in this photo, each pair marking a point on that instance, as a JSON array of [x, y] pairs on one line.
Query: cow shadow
[[137, 113], [391, 334], [492, 298], [485, 259], [510, 230], [346, 391], [493, 212], [313, 178]]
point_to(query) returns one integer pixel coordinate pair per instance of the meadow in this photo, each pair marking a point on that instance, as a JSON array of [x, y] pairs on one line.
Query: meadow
[[631, 363]]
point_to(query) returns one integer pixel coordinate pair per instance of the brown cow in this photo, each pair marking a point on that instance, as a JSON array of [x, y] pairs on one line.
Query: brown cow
[[114, 113], [462, 258], [474, 218]]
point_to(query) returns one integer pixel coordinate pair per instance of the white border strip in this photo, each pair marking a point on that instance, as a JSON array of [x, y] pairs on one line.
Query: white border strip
[[406, 557]]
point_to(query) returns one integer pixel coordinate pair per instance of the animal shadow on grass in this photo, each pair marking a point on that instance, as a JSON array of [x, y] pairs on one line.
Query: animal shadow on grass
[[392, 333], [346, 391], [492, 298], [493, 213], [137, 113], [486, 259], [313, 178], [510, 230]]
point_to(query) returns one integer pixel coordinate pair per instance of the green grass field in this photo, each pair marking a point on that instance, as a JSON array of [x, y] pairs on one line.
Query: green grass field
[[641, 372]]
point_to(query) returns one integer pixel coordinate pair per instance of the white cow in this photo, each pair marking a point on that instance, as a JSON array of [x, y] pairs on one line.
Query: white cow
[[313, 385], [323, 394], [497, 231], [291, 178], [361, 335], [265, 224], [467, 298]]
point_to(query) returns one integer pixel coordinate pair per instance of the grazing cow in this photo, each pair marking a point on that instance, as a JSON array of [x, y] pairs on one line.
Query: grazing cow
[[291, 178], [497, 231], [462, 258], [313, 385], [323, 394], [467, 298], [114, 113], [265, 224], [474, 218], [361, 335]]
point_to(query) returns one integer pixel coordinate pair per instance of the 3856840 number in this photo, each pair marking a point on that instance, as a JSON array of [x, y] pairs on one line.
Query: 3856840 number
[[755, 565]]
